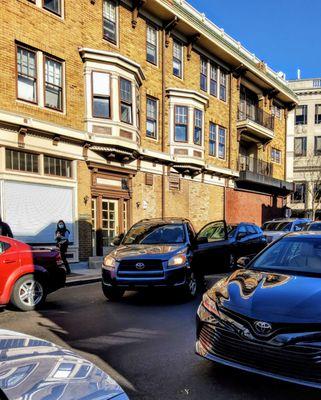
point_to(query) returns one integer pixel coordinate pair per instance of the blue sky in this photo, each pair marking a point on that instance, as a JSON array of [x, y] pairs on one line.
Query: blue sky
[[284, 33]]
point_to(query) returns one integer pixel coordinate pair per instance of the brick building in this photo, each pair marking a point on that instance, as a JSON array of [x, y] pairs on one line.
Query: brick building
[[113, 111]]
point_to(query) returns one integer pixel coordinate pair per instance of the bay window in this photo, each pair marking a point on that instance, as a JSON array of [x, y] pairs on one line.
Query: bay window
[[27, 74], [181, 124], [101, 95], [198, 126], [53, 84], [110, 20], [126, 101]]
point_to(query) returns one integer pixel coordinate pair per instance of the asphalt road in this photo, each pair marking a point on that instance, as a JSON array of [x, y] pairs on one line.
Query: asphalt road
[[146, 343]]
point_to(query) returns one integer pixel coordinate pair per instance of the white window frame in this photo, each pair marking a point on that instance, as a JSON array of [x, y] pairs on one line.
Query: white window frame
[[155, 30], [116, 22]]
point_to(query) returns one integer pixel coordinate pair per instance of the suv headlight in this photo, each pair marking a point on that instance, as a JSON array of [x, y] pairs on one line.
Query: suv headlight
[[177, 260], [109, 262]]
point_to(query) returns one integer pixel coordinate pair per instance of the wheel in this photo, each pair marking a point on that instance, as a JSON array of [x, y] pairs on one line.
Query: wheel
[[192, 286], [113, 293], [28, 293]]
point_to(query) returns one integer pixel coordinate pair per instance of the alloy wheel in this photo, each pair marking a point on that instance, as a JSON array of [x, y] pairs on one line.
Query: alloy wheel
[[31, 293]]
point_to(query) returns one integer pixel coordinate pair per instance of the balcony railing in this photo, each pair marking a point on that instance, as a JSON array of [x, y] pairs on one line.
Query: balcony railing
[[255, 165], [256, 114]]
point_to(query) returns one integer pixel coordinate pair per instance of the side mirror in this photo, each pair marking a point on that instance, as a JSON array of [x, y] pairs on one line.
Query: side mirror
[[243, 262], [241, 235], [117, 240], [201, 240]]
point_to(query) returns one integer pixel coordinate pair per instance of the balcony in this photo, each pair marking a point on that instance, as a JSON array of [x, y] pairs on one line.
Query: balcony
[[256, 174], [255, 123], [255, 165]]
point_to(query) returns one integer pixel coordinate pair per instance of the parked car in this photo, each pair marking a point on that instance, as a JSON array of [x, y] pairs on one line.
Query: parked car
[[32, 368], [167, 253], [264, 318], [28, 275], [314, 226], [278, 227]]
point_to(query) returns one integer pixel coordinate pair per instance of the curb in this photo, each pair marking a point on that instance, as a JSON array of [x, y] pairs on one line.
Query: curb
[[82, 281]]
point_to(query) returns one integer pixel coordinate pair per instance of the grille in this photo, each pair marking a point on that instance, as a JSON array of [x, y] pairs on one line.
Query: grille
[[293, 361], [153, 269]]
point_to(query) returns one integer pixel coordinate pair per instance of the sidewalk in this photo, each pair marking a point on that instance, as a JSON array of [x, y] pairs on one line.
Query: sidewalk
[[81, 274]]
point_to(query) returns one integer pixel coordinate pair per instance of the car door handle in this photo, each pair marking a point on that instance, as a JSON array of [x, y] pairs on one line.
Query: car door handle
[[8, 261]]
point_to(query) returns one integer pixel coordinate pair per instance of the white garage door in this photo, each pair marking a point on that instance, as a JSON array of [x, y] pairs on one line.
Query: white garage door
[[32, 210]]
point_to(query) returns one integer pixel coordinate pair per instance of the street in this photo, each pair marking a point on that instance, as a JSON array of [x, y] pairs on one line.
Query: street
[[145, 342]]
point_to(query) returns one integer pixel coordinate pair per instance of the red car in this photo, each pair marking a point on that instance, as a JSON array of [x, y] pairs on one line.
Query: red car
[[27, 275]]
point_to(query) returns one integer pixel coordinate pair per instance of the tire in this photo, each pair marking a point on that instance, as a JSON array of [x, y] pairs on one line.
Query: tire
[[29, 293], [192, 286], [113, 293]]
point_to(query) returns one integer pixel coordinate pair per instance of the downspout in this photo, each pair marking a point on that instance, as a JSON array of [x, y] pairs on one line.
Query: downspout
[[163, 120], [229, 144]]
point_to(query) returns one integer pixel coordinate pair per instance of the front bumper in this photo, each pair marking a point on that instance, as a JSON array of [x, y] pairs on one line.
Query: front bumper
[[170, 278], [221, 342]]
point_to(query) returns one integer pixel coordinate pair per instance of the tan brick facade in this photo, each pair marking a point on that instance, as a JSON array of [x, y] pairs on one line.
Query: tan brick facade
[[113, 163]]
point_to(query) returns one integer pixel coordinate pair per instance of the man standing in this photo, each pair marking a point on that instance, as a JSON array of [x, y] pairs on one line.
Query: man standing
[[5, 229]]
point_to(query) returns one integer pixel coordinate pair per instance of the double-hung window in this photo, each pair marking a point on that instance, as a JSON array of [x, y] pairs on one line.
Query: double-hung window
[[151, 46], [126, 101], [223, 84], [53, 84], [276, 110], [276, 155], [198, 126], [299, 193], [300, 147], [101, 95], [221, 142], [318, 114], [213, 80], [53, 5], [151, 118], [212, 139], [301, 115], [317, 146], [181, 124], [203, 75], [177, 59], [27, 74], [110, 20]]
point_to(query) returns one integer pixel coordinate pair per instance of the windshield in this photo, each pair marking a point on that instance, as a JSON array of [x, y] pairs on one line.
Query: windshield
[[291, 254], [315, 227], [155, 234], [277, 226]]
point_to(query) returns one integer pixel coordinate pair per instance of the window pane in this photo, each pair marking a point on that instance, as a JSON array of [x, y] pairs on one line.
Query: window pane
[[53, 90], [26, 88], [53, 97], [151, 128], [101, 84], [151, 108], [26, 67], [177, 68], [101, 107], [151, 53], [198, 124], [53, 5], [126, 113], [110, 30], [181, 133], [181, 115], [125, 90], [57, 166], [177, 59], [212, 138], [221, 142]]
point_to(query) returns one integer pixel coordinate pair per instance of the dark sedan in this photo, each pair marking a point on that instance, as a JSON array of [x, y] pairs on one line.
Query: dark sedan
[[266, 318], [32, 368]]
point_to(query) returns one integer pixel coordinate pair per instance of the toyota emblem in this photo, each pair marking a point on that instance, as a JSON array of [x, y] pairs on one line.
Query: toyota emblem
[[140, 266], [263, 328]]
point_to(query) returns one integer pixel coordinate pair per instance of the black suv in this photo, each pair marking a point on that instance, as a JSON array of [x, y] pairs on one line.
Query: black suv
[[168, 253]]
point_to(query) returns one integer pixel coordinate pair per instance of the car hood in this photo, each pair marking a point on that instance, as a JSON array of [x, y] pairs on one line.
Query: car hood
[[274, 234], [140, 251], [37, 369], [271, 297]]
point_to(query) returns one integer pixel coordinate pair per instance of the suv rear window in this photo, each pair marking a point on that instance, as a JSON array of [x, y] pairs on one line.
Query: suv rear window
[[155, 234]]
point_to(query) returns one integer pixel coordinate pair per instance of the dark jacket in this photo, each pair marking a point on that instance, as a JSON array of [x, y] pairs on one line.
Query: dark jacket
[[5, 229]]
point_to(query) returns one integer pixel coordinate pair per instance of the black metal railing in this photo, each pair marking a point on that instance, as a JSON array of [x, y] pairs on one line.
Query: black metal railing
[[255, 165], [257, 115]]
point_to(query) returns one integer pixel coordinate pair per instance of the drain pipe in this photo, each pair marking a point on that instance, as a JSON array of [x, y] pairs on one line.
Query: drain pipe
[[163, 120], [229, 143]]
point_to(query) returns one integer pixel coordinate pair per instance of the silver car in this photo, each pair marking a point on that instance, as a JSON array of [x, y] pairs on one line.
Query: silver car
[[279, 227]]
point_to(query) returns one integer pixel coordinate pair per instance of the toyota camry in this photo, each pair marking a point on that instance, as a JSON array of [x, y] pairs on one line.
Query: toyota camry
[[266, 316]]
